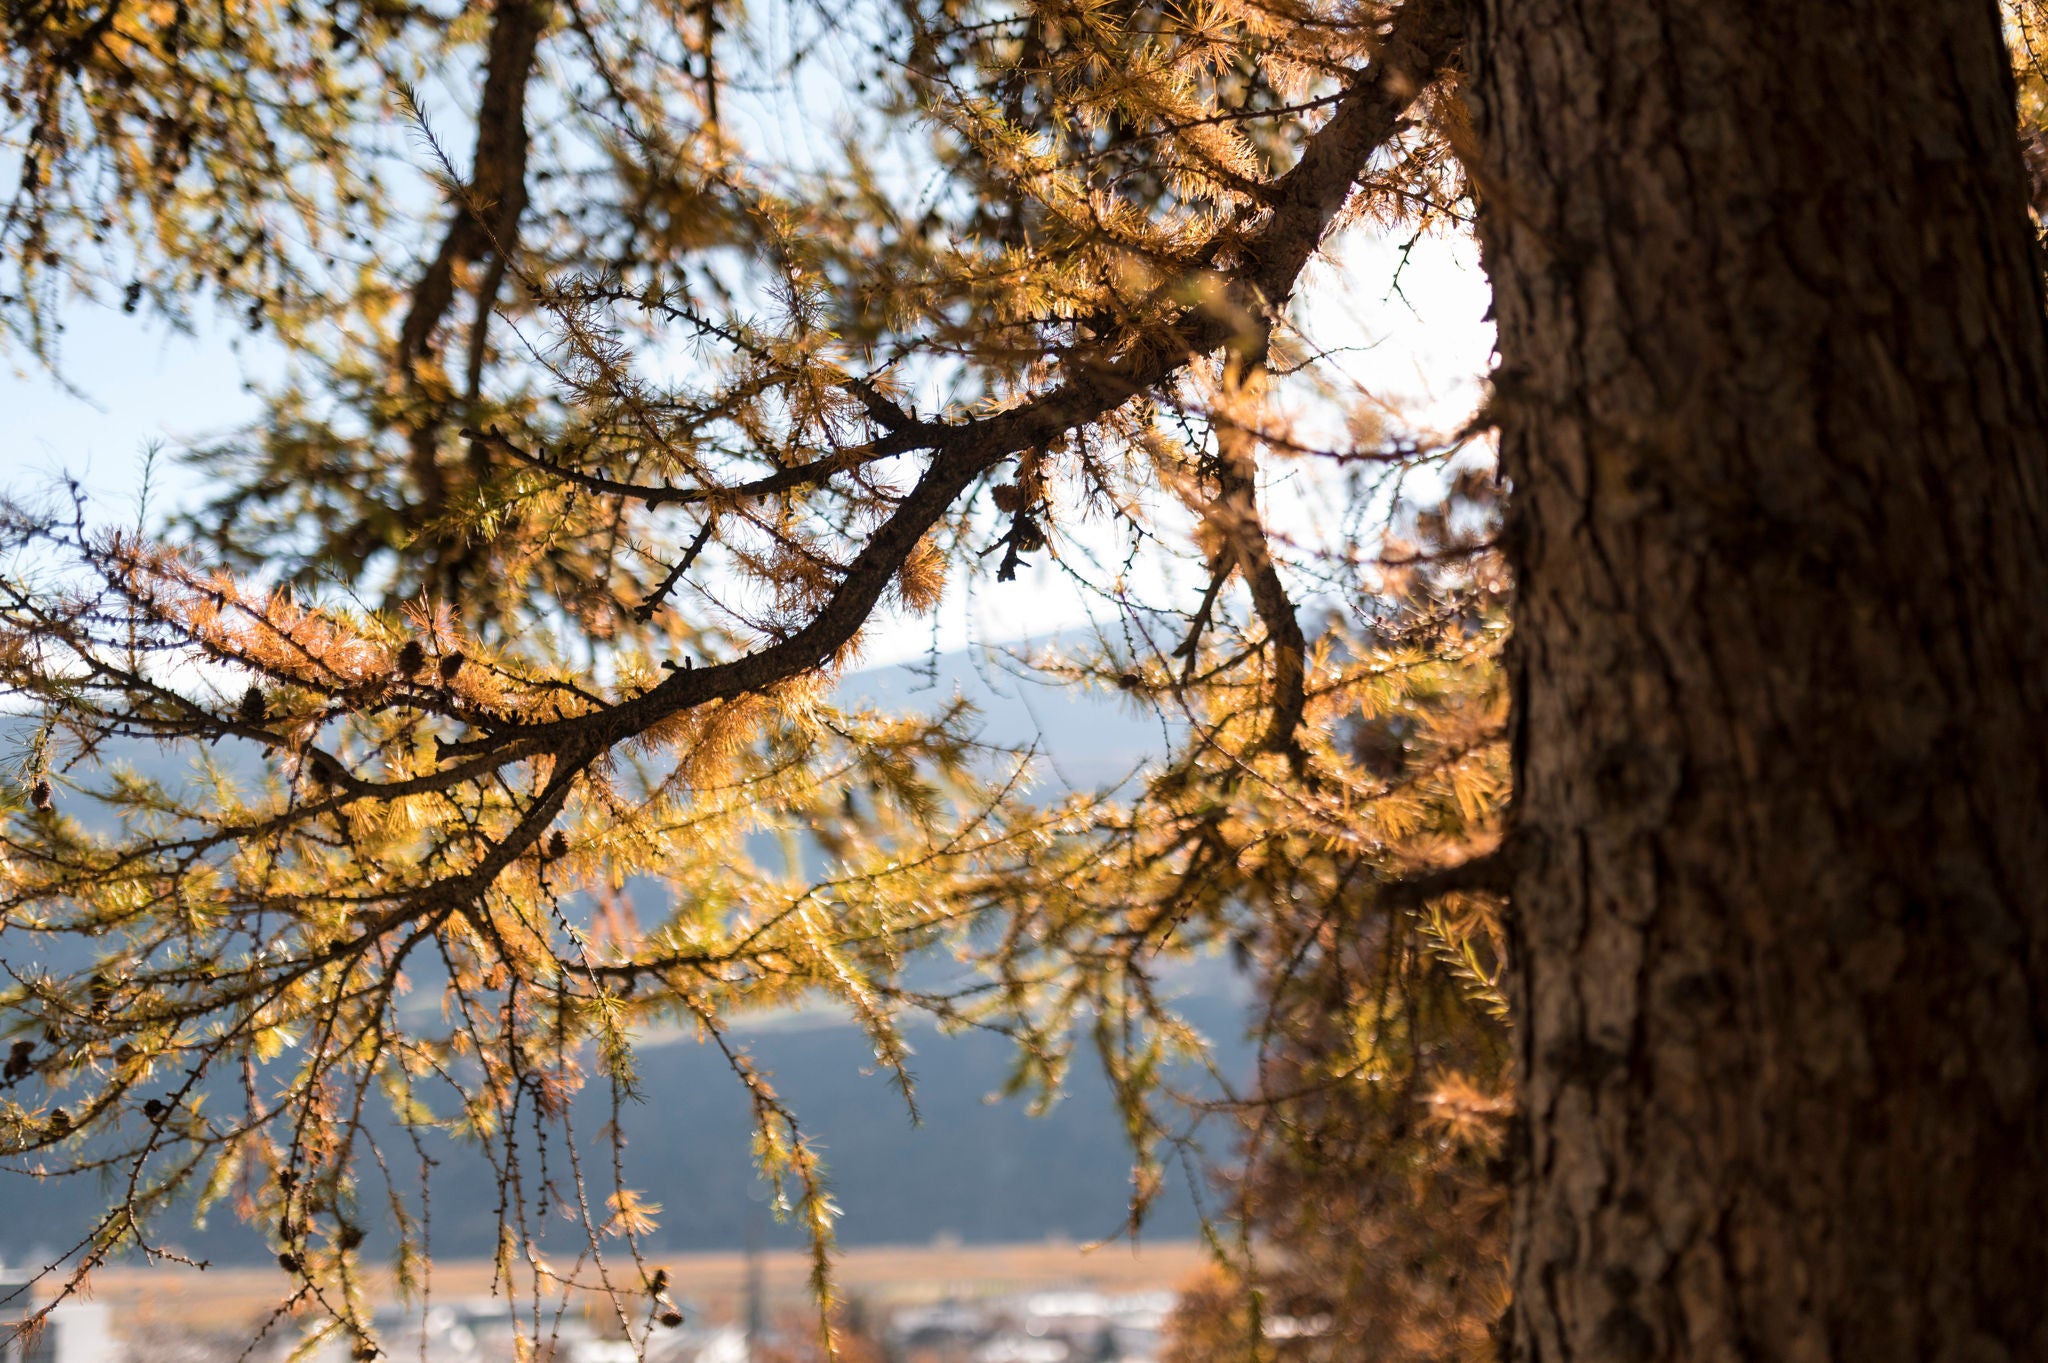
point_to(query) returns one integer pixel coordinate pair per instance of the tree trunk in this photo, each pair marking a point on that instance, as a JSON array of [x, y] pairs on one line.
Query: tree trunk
[[1773, 398]]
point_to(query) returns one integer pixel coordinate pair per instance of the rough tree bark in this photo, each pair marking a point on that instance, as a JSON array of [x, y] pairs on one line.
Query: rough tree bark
[[1773, 398]]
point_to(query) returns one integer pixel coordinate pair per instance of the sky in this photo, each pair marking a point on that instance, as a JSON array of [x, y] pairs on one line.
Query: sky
[[131, 381]]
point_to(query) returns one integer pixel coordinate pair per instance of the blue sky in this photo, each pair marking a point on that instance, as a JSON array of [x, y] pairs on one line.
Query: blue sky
[[137, 381]]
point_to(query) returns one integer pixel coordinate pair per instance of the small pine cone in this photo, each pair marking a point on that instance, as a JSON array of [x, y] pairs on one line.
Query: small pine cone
[[349, 1237], [288, 1261], [364, 1351], [1008, 497], [253, 709], [411, 658], [125, 1054], [658, 1283], [672, 1318], [153, 1109], [60, 1120], [451, 667], [558, 845], [39, 794], [1128, 681]]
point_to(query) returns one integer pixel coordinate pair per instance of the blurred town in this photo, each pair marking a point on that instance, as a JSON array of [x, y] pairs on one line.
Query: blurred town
[[944, 1304]]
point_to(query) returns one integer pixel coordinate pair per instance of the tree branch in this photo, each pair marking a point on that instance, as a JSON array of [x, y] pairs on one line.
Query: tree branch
[[486, 222], [1420, 45], [1490, 873], [646, 609]]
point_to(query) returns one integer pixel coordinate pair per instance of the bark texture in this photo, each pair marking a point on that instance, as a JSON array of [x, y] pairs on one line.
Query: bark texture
[[1773, 397]]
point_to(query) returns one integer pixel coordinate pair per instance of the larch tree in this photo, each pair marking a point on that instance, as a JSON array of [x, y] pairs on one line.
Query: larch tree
[[609, 435], [1773, 398], [512, 625], [1369, 1207]]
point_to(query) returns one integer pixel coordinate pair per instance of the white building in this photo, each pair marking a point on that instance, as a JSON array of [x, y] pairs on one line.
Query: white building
[[73, 1331]]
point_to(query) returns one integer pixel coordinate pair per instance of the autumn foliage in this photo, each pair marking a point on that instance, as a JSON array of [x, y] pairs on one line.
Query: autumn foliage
[[428, 759]]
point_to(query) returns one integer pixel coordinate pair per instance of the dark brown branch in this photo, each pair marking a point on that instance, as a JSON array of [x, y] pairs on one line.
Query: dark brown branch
[[915, 436], [1239, 515], [497, 181], [646, 609], [487, 212], [885, 413], [1190, 648], [1420, 45], [1491, 873]]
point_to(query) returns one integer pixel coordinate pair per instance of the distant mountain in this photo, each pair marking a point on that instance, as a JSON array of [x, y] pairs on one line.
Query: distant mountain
[[1088, 739], [977, 1169]]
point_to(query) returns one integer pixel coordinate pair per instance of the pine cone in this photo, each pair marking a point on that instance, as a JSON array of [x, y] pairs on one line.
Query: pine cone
[[253, 709], [451, 667], [411, 658]]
